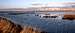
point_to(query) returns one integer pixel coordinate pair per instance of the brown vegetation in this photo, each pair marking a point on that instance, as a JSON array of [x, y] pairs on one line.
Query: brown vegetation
[[69, 17], [7, 26]]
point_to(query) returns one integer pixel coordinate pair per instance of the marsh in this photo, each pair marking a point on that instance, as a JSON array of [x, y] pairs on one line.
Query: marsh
[[48, 25]]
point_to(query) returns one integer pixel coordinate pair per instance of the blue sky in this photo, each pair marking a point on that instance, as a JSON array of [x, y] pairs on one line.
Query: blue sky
[[26, 3]]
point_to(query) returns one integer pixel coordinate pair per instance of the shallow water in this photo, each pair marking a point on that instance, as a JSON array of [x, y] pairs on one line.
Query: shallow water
[[49, 25]]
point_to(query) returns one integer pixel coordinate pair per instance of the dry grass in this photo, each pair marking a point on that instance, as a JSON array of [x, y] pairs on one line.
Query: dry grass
[[30, 29], [69, 17], [6, 26]]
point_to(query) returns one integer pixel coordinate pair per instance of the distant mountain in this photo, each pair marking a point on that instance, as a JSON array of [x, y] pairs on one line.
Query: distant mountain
[[16, 12], [18, 9], [71, 8]]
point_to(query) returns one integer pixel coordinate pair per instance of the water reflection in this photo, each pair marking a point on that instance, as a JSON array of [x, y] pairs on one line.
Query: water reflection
[[49, 25]]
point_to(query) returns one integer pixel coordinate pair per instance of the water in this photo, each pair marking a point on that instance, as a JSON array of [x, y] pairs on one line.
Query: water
[[49, 25]]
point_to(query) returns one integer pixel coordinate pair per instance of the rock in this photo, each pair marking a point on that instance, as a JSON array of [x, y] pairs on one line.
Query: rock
[[7, 26], [69, 17]]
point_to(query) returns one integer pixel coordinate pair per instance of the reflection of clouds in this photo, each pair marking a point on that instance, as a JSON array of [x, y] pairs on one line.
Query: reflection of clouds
[[56, 12]]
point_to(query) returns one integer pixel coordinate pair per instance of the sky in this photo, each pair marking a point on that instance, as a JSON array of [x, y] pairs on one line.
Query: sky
[[26, 3]]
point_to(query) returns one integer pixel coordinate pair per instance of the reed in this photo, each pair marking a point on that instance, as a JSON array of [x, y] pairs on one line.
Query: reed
[[7, 26]]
